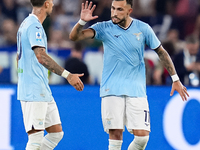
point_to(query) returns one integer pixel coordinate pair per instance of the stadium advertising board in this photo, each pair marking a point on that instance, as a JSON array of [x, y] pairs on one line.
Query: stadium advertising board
[[174, 123]]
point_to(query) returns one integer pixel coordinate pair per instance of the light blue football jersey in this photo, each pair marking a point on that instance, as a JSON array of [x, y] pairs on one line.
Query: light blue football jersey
[[32, 76], [124, 66]]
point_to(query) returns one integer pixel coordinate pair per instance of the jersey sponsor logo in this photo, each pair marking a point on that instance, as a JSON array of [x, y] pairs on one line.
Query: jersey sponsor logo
[[38, 36], [137, 35], [42, 95], [38, 27], [108, 121], [117, 36], [107, 90], [20, 70]]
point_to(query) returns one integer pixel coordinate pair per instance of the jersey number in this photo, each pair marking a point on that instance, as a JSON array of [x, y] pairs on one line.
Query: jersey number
[[147, 116], [19, 45]]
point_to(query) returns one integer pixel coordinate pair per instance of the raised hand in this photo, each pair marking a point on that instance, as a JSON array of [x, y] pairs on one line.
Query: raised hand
[[87, 11], [182, 90], [74, 80]]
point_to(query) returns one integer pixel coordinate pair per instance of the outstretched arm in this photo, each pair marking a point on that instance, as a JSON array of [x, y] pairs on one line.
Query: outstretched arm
[[52, 66], [168, 64], [77, 32]]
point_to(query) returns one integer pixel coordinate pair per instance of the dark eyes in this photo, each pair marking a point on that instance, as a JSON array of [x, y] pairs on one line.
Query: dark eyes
[[119, 9]]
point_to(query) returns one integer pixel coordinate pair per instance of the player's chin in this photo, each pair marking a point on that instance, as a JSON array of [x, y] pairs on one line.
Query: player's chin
[[115, 22], [49, 13]]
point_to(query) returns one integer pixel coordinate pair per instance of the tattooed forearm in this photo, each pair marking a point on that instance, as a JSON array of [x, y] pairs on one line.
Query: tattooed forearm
[[75, 34], [47, 61], [166, 60], [51, 65]]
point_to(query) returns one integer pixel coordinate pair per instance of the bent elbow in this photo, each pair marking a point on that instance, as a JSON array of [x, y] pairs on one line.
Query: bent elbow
[[73, 38]]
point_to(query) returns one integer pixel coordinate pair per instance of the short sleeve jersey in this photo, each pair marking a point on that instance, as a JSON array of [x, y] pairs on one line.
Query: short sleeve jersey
[[124, 66], [32, 76]]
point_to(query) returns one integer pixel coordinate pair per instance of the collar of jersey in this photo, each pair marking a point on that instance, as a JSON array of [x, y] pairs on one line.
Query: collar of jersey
[[34, 16], [126, 27]]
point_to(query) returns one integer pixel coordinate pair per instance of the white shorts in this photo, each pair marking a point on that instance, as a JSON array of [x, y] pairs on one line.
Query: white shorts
[[118, 112], [40, 115]]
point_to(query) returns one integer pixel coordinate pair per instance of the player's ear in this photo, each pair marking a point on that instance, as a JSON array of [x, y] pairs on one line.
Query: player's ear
[[46, 3], [130, 11]]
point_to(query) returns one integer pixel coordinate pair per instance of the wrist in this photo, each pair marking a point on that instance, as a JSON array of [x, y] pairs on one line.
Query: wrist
[[82, 22], [175, 78], [65, 74]]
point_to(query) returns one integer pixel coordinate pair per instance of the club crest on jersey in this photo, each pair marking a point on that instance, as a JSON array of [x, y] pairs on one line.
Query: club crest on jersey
[[38, 36], [137, 35]]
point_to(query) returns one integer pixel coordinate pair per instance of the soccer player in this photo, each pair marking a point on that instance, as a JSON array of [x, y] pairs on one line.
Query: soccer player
[[123, 85], [38, 106]]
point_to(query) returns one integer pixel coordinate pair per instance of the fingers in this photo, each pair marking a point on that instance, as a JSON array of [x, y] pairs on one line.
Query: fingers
[[79, 86], [82, 6], [95, 17], [86, 6], [184, 94], [80, 75], [172, 92], [93, 8], [90, 5], [185, 90]]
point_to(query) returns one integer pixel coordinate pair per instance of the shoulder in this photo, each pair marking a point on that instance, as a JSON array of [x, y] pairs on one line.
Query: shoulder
[[140, 24], [35, 25], [31, 22], [103, 24]]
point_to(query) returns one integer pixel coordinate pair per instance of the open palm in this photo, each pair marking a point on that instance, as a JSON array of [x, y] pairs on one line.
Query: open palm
[[87, 11]]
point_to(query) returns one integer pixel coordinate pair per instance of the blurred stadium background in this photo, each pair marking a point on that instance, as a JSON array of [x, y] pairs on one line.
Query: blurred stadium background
[[174, 124]]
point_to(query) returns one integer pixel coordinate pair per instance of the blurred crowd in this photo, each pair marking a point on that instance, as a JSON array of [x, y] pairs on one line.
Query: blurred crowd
[[175, 22]]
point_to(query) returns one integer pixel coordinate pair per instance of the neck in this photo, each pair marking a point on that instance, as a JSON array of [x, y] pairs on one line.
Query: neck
[[76, 54], [39, 13], [125, 23]]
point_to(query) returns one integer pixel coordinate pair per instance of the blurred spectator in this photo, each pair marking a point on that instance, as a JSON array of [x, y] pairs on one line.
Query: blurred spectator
[[70, 7], [94, 62], [143, 8], [9, 32], [187, 11], [166, 7], [187, 62], [9, 9], [1, 69], [151, 60], [57, 40], [75, 64], [161, 22], [2, 17], [173, 36], [197, 23], [23, 10]]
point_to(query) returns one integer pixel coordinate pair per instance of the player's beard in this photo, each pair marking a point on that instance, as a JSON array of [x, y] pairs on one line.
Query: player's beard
[[120, 22], [48, 14]]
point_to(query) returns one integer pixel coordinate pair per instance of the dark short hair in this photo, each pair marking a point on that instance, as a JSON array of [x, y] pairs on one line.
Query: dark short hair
[[37, 3], [191, 39], [130, 2], [78, 46]]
